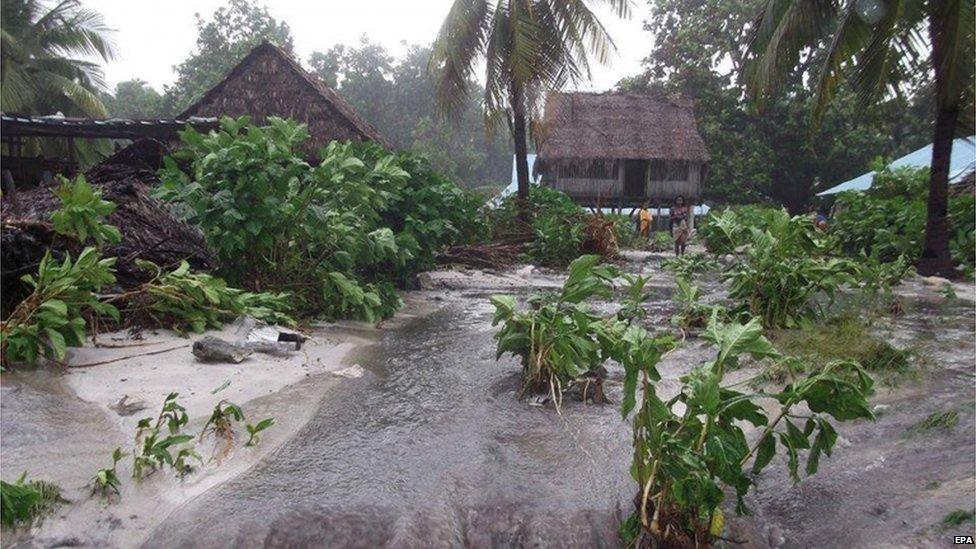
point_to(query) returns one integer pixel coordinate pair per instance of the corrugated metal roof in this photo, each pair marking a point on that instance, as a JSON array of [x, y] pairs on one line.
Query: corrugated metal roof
[[963, 163]]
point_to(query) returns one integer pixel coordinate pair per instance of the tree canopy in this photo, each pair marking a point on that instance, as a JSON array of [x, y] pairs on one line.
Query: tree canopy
[[700, 49]]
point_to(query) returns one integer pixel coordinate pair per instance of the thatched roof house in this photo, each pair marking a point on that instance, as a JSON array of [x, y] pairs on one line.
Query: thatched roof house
[[621, 148], [268, 82]]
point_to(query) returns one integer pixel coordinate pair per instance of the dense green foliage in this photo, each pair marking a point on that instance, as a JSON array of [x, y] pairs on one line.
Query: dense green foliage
[[557, 225], [23, 501], [888, 220], [50, 55], [81, 212], [688, 447], [339, 235], [784, 270]]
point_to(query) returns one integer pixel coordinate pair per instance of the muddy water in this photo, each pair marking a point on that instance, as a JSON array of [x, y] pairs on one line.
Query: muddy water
[[431, 448]]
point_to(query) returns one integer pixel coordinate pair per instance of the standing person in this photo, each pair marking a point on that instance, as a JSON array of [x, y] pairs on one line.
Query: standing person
[[644, 221], [679, 224]]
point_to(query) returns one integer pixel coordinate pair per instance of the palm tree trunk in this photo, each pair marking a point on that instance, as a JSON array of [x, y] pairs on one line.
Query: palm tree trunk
[[936, 259], [521, 150]]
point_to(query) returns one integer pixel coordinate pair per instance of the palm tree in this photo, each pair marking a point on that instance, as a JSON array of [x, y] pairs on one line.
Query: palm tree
[[876, 43], [45, 58], [528, 47]]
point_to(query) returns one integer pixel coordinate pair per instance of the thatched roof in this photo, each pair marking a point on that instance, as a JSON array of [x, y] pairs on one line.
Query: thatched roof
[[268, 82], [614, 125]]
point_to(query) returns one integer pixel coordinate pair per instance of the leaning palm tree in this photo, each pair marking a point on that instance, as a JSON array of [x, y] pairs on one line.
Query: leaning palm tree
[[528, 47], [875, 44], [45, 58]]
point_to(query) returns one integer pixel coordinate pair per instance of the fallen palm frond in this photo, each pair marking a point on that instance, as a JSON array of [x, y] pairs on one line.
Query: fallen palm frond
[[489, 255]]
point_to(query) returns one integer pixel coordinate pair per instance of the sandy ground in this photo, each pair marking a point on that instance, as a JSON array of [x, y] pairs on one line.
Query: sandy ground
[[62, 425]]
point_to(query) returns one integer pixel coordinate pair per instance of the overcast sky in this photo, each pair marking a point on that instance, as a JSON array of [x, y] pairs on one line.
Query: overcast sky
[[151, 37]]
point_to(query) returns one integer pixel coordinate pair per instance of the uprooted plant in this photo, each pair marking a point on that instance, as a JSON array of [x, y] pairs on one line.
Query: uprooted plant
[[690, 264], [52, 318], [107, 480], [154, 448], [221, 422], [184, 300], [688, 447], [24, 501]]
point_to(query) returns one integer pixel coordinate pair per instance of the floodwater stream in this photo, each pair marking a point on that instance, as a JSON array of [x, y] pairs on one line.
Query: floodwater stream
[[430, 449]]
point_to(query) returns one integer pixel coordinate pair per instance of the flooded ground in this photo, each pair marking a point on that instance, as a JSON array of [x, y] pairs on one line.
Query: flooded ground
[[431, 448]]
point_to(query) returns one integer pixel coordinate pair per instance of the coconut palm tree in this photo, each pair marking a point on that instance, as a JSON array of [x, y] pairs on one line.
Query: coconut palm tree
[[46, 57], [528, 48], [875, 44]]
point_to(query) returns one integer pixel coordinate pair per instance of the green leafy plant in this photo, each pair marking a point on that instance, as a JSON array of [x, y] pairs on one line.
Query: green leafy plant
[[51, 318], [254, 431], [221, 420], [661, 241], [25, 500], [106, 480], [81, 212], [692, 313], [690, 264], [154, 447], [561, 343], [688, 447], [558, 340], [783, 271]]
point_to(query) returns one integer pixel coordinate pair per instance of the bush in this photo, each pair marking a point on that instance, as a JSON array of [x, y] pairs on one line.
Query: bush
[[723, 232], [340, 235], [888, 220], [783, 270], [557, 224]]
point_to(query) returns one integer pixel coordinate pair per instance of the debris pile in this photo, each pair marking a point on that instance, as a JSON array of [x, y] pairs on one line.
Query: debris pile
[[497, 254], [149, 230]]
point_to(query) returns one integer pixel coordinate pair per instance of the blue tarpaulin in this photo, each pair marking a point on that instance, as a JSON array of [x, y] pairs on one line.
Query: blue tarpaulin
[[963, 163]]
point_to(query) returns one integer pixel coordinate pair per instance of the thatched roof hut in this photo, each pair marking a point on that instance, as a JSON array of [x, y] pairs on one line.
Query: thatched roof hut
[[269, 82], [621, 148]]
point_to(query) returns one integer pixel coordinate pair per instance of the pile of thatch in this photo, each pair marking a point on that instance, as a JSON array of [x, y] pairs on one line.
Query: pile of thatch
[[149, 230]]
